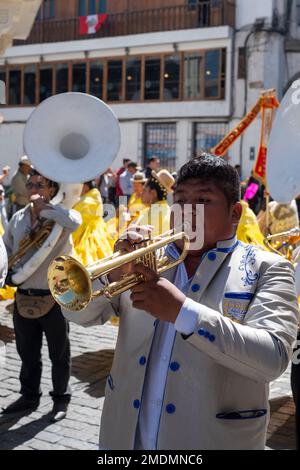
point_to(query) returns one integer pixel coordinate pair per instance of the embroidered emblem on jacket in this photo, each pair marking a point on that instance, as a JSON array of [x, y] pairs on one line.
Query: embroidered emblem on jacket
[[247, 261], [235, 305]]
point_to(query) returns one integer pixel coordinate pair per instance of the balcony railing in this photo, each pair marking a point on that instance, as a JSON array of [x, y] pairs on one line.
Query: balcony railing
[[205, 14]]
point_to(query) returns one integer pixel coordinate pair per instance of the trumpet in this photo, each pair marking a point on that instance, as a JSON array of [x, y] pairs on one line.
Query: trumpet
[[283, 243], [70, 282]]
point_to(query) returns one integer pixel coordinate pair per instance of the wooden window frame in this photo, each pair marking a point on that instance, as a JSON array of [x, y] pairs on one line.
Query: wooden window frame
[[124, 60], [135, 57], [74, 62]]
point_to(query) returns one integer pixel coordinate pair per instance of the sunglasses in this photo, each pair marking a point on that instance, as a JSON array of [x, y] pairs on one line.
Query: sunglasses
[[36, 186]]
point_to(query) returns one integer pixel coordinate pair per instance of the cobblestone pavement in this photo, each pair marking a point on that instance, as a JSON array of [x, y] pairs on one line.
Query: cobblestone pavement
[[92, 353]]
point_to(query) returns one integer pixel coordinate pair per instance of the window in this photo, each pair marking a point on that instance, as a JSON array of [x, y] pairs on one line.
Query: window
[[242, 62], [46, 82], [91, 7], [192, 74], [133, 79], [171, 77], [47, 10], [29, 84], [62, 78], [160, 141], [212, 73], [96, 79], [207, 135], [152, 78], [114, 80], [79, 77], [14, 91]]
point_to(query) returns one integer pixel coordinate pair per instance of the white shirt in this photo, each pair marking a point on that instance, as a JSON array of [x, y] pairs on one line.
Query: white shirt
[[3, 262], [158, 365]]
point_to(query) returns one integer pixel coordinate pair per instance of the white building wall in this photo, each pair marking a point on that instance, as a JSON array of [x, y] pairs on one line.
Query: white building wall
[[11, 138], [248, 10]]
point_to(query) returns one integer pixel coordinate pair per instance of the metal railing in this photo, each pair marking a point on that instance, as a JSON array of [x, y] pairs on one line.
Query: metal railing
[[199, 15]]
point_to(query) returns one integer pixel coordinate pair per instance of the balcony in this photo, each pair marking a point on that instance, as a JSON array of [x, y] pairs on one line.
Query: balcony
[[208, 13]]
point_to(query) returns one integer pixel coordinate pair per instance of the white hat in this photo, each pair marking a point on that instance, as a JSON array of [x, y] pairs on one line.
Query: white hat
[[165, 179], [25, 161]]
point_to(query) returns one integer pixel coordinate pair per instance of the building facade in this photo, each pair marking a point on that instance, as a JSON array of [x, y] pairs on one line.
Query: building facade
[[179, 74]]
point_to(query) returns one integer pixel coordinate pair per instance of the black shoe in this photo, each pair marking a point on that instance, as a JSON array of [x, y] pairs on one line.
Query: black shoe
[[59, 412], [21, 404]]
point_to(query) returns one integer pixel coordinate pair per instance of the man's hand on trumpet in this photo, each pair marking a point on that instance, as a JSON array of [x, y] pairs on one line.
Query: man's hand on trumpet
[[126, 244], [157, 295]]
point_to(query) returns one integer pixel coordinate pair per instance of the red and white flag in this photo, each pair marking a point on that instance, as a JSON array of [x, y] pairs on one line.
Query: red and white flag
[[91, 23]]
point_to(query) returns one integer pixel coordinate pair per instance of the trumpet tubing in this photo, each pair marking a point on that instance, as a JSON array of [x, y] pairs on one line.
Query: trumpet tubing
[[71, 283]]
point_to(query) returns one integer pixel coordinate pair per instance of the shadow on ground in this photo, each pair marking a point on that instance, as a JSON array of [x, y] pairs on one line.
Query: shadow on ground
[[92, 369], [281, 432], [12, 438]]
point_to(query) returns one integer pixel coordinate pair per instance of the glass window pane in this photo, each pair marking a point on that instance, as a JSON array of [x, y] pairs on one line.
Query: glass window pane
[[102, 6], [161, 142], [207, 136], [133, 79], [212, 72], [81, 8], [62, 75], [29, 84], [96, 79], [79, 77], [114, 80], [171, 77], [152, 78], [192, 64], [14, 92], [46, 76], [92, 7]]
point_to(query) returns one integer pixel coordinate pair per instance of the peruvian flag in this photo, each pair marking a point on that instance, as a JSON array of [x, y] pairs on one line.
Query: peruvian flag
[[91, 23]]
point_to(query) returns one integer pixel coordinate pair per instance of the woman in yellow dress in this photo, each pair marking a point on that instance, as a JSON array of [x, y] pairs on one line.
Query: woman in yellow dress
[[154, 196], [91, 240], [117, 225]]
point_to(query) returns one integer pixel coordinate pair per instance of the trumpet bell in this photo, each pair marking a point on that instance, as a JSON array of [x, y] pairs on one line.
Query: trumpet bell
[[283, 162], [70, 283], [72, 137]]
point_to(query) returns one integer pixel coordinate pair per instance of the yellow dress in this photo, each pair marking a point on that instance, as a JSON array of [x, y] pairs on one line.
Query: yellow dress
[[135, 207], [91, 240], [157, 215], [248, 230]]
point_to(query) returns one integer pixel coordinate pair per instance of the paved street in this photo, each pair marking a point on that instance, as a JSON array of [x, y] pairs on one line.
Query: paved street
[[92, 352]]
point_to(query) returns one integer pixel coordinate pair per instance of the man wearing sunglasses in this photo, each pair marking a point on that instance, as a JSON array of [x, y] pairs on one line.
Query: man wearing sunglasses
[[35, 311]]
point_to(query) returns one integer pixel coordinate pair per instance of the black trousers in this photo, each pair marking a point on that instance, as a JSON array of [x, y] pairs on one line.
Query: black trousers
[[29, 337], [295, 383]]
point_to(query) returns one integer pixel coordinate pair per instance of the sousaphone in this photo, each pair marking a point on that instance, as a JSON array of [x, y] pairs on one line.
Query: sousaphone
[[283, 157], [70, 138]]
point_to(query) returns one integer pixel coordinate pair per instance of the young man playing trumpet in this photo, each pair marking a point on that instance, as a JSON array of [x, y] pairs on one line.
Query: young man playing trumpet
[[35, 311], [198, 346]]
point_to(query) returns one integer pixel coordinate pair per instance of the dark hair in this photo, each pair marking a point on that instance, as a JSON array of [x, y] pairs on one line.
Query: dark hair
[[132, 165], [91, 184], [162, 193], [216, 170], [152, 159], [126, 160], [52, 184]]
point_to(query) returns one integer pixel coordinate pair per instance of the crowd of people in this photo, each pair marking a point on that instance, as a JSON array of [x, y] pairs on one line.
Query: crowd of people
[[196, 346]]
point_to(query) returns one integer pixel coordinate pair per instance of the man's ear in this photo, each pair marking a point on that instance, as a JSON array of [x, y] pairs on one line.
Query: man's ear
[[237, 213]]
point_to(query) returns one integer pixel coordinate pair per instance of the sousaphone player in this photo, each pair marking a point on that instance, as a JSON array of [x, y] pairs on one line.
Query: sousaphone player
[[55, 149]]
